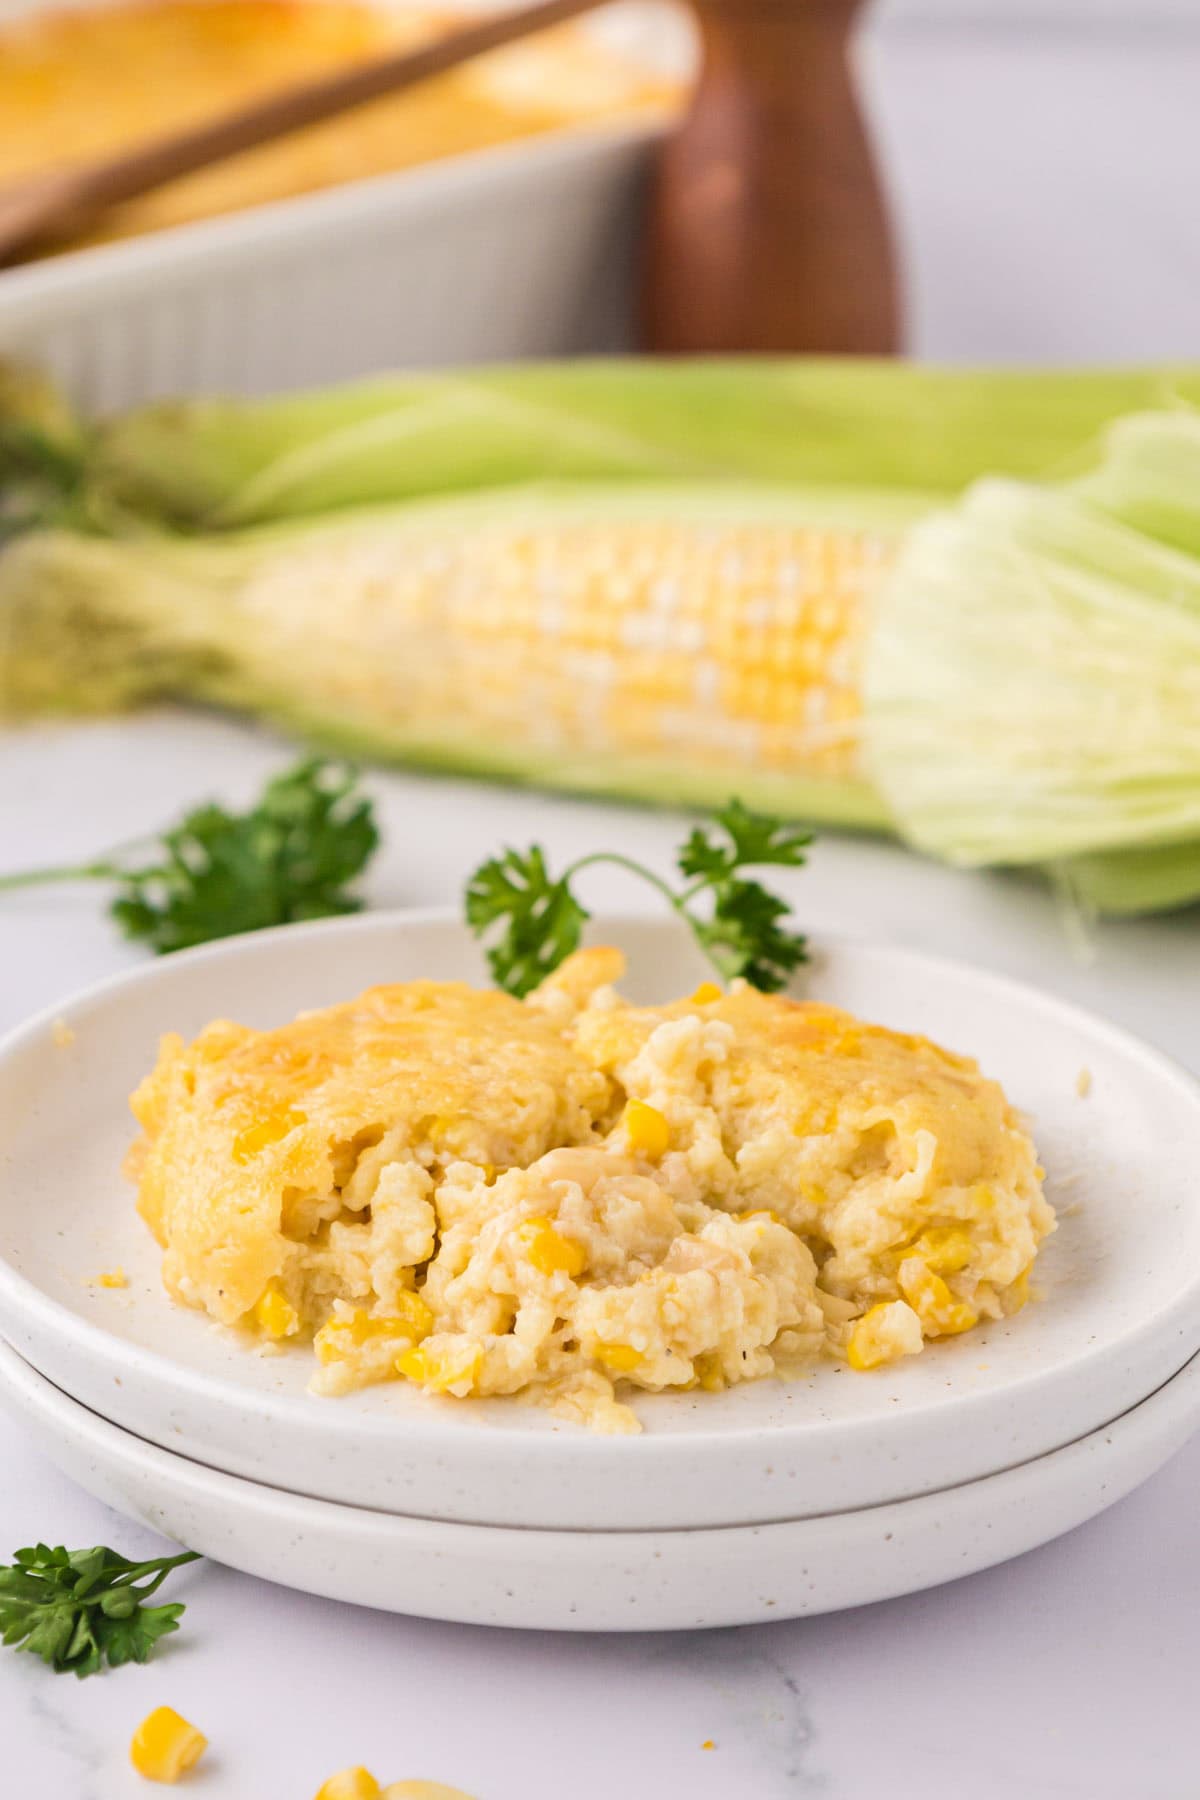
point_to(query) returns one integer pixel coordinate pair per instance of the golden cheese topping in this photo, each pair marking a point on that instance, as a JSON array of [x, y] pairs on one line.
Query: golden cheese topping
[[255, 1140], [572, 1197], [818, 1069], [829, 1092], [78, 85]]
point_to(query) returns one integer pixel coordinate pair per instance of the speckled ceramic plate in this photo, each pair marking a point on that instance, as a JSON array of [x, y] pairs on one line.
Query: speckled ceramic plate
[[1120, 1282], [604, 1580]]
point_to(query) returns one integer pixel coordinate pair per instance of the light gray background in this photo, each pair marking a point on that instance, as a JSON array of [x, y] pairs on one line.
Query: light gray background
[[1044, 163]]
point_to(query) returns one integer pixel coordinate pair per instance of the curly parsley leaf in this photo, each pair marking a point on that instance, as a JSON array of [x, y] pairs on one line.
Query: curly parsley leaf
[[745, 938], [755, 840], [542, 921], [79, 1610], [539, 919], [292, 856]]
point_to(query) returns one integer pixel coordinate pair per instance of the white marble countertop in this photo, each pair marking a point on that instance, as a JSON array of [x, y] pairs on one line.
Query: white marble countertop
[[1070, 1673]]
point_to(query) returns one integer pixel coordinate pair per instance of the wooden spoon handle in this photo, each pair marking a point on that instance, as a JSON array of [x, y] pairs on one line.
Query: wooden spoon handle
[[67, 197], [767, 228]]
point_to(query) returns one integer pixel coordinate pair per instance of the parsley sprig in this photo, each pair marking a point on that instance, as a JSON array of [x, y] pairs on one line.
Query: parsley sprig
[[292, 856], [80, 1609], [534, 921]]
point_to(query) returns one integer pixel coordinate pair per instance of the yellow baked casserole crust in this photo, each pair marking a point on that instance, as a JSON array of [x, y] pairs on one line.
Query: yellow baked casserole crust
[[570, 1197], [76, 85]]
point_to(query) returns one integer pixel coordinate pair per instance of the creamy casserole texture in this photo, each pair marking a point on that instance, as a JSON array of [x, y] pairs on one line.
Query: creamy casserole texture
[[570, 1198]]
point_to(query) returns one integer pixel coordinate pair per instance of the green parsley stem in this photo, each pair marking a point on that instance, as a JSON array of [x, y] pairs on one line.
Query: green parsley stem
[[98, 871], [681, 903], [163, 1564], [105, 868], [678, 901]]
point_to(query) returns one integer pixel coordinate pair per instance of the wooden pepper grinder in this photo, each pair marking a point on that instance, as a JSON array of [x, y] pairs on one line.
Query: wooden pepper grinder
[[767, 228]]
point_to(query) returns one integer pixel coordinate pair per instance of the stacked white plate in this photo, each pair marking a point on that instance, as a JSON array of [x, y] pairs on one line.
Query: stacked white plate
[[773, 1500]]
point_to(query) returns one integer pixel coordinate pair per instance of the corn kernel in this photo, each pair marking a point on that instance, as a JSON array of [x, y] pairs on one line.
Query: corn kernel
[[247, 1144], [350, 1784], [818, 1119], [708, 1372], [884, 1334], [944, 1248], [648, 1131], [622, 1359], [442, 1371], [113, 1278], [165, 1746], [866, 1349], [1016, 1295], [411, 1322], [548, 1250], [941, 1315], [706, 993], [449, 1134], [275, 1313]]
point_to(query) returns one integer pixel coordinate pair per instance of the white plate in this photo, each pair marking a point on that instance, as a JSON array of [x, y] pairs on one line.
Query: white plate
[[1120, 1311], [604, 1581]]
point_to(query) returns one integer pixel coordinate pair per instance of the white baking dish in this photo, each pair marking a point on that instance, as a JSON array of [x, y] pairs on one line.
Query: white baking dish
[[525, 250]]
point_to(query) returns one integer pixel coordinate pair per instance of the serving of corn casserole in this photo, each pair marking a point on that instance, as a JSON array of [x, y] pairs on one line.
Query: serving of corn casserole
[[570, 1198]]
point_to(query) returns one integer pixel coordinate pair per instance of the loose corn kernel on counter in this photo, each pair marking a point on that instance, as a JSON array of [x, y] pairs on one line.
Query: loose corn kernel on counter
[[165, 1746], [570, 1198]]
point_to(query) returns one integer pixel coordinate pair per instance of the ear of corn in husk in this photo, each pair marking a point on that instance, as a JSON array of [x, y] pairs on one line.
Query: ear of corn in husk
[[1006, 678], [667, 644]]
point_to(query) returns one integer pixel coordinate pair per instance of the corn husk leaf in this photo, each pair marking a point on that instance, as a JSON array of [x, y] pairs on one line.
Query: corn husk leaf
[[225, 464], [1127, 884], [1149, 477], [1033, 683], [43, 453]]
